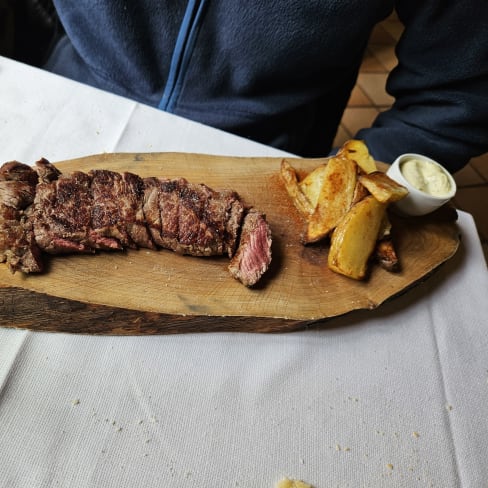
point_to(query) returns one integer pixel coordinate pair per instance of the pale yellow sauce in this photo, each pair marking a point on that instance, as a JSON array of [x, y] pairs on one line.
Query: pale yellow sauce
[[426, 176]]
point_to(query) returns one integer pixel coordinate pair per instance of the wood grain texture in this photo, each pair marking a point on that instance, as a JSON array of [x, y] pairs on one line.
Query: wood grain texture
[[160, 292]]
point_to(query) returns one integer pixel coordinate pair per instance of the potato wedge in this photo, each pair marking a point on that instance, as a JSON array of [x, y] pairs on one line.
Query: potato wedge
[[346, 197], [357, 151], [312, 184], [382, 187], [290, 180], [335, 198], [354, 239]]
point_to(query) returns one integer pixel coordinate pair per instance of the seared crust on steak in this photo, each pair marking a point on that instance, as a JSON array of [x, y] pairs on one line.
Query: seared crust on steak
[[192, 219], [46, 171], [117, 213], [42, 210], [62, 217]]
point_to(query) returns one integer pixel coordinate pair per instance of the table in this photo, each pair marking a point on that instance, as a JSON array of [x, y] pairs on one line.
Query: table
[[397, 396]]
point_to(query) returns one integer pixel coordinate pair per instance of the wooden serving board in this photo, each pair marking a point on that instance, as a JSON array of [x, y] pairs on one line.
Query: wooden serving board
[[161, 292]]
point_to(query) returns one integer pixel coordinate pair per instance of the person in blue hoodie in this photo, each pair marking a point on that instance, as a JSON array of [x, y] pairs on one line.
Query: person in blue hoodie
[[281, 71]]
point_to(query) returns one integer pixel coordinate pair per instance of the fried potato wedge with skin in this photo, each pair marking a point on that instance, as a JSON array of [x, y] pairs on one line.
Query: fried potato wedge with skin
[[356, 150], [346, 197], [290, 180], [311, 185], [335, 198], [382, 187], [354, 239]]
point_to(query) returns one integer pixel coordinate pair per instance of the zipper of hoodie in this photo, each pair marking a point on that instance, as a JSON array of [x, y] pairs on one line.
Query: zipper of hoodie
[[185, 42]]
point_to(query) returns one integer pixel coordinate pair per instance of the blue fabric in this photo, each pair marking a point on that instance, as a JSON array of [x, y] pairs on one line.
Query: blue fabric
[[281, 71]]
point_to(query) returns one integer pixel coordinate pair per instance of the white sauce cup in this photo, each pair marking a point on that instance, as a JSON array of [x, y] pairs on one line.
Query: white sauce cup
[[418, 202]]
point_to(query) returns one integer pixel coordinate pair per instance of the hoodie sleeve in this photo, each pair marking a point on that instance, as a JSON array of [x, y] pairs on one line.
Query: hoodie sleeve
[[440, 85]]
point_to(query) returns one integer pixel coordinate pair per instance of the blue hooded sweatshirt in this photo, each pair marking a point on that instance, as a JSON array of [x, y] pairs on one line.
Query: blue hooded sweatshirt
[[281, 71]]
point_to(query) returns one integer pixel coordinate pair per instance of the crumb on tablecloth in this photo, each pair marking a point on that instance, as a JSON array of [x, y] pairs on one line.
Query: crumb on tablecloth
[[291, 483]]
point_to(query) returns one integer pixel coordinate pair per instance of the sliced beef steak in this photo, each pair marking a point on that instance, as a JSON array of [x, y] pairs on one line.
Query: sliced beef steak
[[253, 256], [43, 210]]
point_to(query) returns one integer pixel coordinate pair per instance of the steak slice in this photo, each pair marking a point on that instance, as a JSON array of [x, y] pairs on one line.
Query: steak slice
[[17, 245], [169, 209], [117, 211], [253, 256], [150, 209], [62, 214], [133, 211], [206, 220], [191, 218], [17, 185]]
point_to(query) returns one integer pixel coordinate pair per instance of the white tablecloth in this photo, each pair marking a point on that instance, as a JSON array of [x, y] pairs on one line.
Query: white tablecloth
[[395, 397]]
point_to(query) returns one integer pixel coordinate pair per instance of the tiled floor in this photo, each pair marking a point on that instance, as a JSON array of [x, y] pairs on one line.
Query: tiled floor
[[369, 98]]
